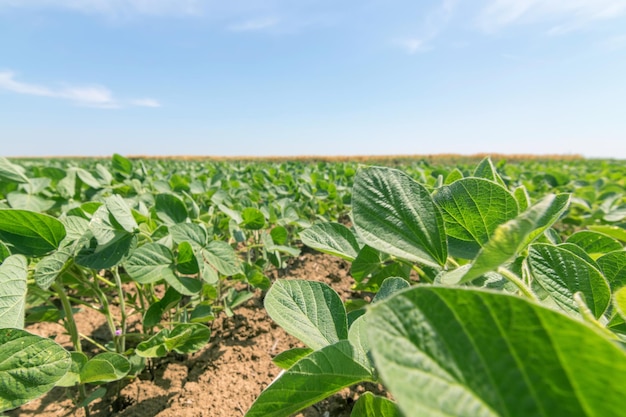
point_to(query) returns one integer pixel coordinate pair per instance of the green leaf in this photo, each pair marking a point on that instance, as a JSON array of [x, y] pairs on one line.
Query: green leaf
[[30, 233], [184, 285], [389, 287], [170, 209], [13, 273], [121, 165], [12, 172], [594, 243], [279, 235], [367, 262], [121, 213], [472, 209], [108, 255], [184, 338], [475, 353], [72, 376], [485, 169], [4, 252], [613, 266], [49, 268], [23, 201], [562, 273], [191, 232], [288, 358], [103, 368], [370, 405], [310, 311], [253, 219], [333, 238], [513, 236], [313, 378], [29, 366], [150, 263], [522, 197], [223, 258], [396, 215], [186, 261], [616, 232]]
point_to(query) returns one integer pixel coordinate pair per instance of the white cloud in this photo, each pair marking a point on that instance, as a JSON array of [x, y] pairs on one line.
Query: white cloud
[[254, 24], [412, 45], [88, 96], [434, 23], [575, 13]]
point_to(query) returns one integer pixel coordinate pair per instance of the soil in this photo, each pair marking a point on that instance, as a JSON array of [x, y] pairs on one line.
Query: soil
[[223, 379]]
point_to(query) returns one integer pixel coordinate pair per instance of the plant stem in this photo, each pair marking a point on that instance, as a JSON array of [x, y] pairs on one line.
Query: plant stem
[[69, 316], [105, 305], [518, 283], [74, 334], [122, 338]]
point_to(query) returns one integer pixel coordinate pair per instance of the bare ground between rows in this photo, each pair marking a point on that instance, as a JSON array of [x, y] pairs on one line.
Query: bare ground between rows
[[224, 378]]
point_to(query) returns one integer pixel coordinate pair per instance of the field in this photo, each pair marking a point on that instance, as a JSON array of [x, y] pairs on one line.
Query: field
[[398, 286]]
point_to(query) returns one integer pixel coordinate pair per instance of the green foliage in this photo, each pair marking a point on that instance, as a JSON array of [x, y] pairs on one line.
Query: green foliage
[[30, 233], [179, 243], [486, 340], [478, 353], [30, 366]]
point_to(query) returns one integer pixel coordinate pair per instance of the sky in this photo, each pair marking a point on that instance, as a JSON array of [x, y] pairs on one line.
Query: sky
[[312, 77]]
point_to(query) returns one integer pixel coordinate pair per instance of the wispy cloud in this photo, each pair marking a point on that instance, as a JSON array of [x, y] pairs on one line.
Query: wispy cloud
[[412, 45], [254, 24], [88, 96], [434, 23], [570, 13]]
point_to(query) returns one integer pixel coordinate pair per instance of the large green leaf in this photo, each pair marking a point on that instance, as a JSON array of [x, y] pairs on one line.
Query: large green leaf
[[396, 215], [170, 209], [333, 238], [475, 353], [150, 263], [313, 378], [310, 311], [30, 233], [562, 273], [29, 366], [13, 272], [121, 213], [472, 209], [513, 236]]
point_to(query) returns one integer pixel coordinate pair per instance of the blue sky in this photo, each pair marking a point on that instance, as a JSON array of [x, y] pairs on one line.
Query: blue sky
[[322, 77]]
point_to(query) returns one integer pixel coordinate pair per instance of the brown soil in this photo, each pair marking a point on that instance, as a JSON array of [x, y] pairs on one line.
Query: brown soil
[[223, 379]]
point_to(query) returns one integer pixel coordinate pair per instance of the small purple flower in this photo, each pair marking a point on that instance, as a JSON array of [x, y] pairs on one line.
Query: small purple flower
[[118, 332]]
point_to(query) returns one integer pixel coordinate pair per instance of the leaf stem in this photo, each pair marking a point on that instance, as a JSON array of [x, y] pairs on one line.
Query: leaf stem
[[518, 283]]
